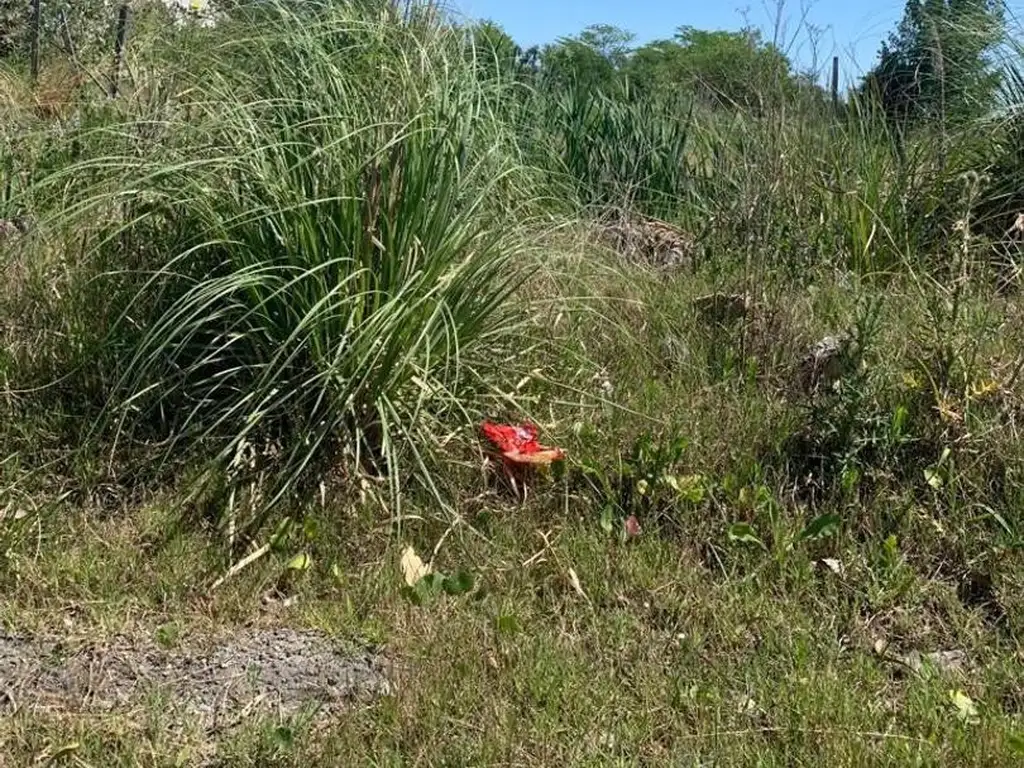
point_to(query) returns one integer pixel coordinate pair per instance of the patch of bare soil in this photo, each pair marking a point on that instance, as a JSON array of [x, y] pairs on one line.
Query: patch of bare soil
[[274, 670]]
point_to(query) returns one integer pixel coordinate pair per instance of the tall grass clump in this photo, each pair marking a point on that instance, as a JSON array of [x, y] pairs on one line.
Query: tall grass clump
[[795, 188], [319, 252], [616, 148]]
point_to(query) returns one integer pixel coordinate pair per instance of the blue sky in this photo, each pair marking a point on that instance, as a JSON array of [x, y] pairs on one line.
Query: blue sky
[[850, 29]]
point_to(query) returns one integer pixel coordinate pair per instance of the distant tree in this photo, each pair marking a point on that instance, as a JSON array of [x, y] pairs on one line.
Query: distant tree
[[496, 52], [937, 61], [807, 88], [719, 67], [612, 43], [85, 17], [656, 67], [592, 59]]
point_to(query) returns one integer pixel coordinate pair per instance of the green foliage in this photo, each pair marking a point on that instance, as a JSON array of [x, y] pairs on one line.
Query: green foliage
[[89, 25], [1002, 199], [646, 483], [295, 249], [13, 23], [611, 43], [292, 252], [618, 151], [820, 527], [744, 533], [497, 56], [736, 69], [333, 262], [937, 64], [591, 60], [433, 585]]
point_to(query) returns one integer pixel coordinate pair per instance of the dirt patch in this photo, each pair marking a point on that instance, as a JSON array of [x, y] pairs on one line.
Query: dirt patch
[[278, 670]]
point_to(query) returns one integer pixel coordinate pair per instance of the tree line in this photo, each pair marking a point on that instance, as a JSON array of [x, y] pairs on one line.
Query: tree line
[[938, 61]]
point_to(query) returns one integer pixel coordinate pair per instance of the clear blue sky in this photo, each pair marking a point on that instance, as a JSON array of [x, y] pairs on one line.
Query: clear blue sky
[[850, 29]]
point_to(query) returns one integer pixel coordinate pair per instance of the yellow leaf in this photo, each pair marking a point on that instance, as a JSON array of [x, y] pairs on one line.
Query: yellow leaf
[[910, 381], [984, 389], [965, 708], [413, 569], [575, 581], [300, 562]]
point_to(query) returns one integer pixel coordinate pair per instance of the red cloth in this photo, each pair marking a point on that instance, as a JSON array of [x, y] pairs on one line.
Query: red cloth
[[518, 443]]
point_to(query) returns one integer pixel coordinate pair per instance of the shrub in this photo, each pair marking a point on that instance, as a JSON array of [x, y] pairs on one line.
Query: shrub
[[313, 254]]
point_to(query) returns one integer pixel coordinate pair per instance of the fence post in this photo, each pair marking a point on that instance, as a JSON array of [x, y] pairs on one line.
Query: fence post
[[33, 42], [122, 30], [835, 81]]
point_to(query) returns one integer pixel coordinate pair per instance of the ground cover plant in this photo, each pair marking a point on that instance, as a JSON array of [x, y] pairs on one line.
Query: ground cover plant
[[258, 304]]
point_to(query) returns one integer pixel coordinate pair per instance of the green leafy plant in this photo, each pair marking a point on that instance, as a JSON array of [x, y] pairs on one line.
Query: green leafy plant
[[423, 583], [820, 527], [432, 585], [646, 484], [744, 533]]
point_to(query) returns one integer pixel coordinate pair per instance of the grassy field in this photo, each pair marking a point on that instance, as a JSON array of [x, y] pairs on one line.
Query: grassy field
[[266, 297]]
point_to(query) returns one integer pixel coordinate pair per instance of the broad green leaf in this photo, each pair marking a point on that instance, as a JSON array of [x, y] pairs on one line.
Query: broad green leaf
[[558, 470], [413, 595], [507, 624], [1016, 742], [425, 589], [689, 487], [899, 420], [280, 535], [850, 479], [432, 583], [459, 584], [891, 547], [821, 527], [284, 737], [744, 533]]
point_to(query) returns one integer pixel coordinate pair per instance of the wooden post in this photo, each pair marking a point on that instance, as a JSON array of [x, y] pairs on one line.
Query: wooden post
[[835, 81], [122, 30], [33, 42]]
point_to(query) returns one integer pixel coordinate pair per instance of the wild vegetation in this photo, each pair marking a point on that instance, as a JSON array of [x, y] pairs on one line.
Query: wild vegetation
[[257, 304]]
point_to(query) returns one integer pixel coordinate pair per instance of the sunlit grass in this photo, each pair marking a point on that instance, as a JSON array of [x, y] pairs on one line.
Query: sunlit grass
[[335, 254]]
